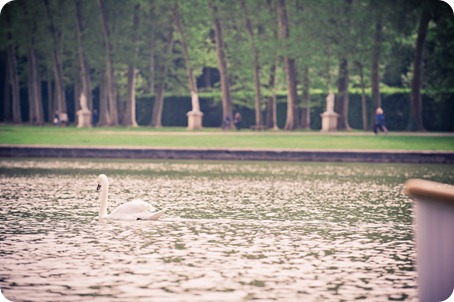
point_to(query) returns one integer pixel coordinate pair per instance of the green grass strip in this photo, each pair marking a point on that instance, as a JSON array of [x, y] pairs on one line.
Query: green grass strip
[[216, 138]]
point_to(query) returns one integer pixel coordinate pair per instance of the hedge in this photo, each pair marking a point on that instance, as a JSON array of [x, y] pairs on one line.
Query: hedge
[[438, 111]]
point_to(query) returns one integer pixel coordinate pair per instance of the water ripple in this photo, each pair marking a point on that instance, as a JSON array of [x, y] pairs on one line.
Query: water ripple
[[232, 232]]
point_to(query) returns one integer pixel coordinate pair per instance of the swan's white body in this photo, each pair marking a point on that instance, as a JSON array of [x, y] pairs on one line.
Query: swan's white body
[[133, 210]]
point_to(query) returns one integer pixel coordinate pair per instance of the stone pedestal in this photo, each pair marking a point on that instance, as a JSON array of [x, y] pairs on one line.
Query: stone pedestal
[[194, 120], [83, 119], [329, 121]]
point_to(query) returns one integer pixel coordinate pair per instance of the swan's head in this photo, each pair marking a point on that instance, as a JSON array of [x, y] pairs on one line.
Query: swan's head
[[102, 181]]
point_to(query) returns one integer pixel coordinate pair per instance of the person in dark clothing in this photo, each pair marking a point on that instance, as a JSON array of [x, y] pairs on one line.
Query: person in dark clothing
[[237, 120], [226, 125], [380, 122], [95, 118]]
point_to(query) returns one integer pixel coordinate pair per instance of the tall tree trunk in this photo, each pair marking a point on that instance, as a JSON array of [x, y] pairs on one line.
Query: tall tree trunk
[[77, 90], [36, 116], [416, 83], [6, 117], [83, 64], [156, 117], [256, 67], [130, 115], [110, 72], [343, 76], [189, 67], [104, 115], [60, 97], [33, 79], [151, 39], [271, 105], [306, 110], [30, 87], [13, 78], [222, 64], [375, 67], [363, 94], [342, 95], [50, 98], [290, 68]]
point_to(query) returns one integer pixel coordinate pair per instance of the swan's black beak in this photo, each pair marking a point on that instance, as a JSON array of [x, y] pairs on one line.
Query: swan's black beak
[[98, 188]]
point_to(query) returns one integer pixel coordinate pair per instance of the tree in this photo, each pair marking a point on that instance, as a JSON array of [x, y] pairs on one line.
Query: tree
[[359, 66], [160, 83], [34, 92], [290, 67], [150, 63], [111, 114], [375, 65], [187, 58], [306, 49], [83, 64], [439, 57], [222, 63], [343, 75], [13, 77], [60, 97], [271, 100], [342, 95], [306, 111], [35, 111], [271, 104], [327, 43], [190, 70], [256, 64], [130, 115], [416, 84]]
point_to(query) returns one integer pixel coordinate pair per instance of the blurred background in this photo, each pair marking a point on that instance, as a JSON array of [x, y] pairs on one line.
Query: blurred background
[[274, 61]]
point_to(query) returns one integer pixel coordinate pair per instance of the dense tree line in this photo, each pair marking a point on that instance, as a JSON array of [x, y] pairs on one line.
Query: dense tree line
[[112, 50]]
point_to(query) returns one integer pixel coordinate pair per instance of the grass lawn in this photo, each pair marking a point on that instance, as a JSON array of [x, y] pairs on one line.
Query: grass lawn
[[215, 138]]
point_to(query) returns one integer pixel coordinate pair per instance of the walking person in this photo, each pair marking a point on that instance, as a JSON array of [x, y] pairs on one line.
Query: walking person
[[380, 122]]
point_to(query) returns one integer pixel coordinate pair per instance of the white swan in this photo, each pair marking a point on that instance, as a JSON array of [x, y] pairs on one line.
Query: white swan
[[133, 210]]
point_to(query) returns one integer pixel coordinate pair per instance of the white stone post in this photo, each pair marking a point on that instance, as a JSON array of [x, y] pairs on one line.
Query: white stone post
[[84, 114], [434, 227], [329, 117], [194, 116]]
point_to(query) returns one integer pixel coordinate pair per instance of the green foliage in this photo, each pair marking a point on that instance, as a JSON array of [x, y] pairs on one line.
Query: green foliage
[[321, 32], [440, 50]]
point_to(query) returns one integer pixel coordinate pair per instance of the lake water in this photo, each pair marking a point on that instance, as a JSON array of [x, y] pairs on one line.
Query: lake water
[[233, 231]]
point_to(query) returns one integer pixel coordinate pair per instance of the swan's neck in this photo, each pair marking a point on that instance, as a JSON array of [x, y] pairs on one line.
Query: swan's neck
[[104, 193]]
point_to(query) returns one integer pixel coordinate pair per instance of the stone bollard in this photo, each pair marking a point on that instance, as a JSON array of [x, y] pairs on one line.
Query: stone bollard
[[84, 119], [195, 116], [84, 114], [329, 117], [434, 230], [194, 120]]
